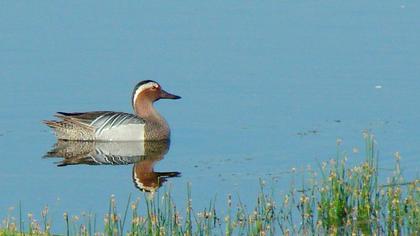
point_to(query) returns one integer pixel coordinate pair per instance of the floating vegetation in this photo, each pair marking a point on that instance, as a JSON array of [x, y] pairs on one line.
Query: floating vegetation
[[340, 200]]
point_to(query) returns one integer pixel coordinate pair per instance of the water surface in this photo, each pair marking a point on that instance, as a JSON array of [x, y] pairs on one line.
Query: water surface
[[266, 87]]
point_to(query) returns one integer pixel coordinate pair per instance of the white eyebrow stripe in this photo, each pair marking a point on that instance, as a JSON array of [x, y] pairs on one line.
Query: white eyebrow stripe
[[142, 88]]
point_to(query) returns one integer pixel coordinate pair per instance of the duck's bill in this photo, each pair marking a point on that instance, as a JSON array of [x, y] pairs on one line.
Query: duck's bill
[[166, 95]]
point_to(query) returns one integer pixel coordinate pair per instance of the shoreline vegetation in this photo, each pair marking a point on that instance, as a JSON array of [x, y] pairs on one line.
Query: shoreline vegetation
[[335, 199]]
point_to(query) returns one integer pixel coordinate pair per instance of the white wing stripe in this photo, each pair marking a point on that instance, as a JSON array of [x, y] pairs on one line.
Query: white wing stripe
[[106, 123]]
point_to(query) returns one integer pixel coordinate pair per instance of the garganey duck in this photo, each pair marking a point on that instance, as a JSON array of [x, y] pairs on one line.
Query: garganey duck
[[146, 124]]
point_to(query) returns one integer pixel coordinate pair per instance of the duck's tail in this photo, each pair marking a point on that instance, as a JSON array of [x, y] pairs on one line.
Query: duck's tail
[[52, 123], [69, 129]]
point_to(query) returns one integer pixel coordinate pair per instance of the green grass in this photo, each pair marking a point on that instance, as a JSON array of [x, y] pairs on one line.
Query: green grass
[[337, 199]]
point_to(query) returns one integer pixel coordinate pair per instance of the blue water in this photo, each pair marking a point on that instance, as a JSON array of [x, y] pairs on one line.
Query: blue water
[[266, 86]]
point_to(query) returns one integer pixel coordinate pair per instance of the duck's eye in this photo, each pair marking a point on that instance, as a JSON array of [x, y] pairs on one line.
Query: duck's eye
[[155, 87]]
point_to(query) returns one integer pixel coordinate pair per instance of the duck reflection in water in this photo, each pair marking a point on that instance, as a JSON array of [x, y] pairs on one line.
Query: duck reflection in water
[[143, 155]]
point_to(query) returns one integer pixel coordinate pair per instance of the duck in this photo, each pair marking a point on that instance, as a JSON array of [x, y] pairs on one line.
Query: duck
[[146, 124]]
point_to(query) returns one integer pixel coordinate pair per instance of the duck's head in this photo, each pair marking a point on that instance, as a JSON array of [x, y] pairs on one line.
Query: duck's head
[[149, 91]]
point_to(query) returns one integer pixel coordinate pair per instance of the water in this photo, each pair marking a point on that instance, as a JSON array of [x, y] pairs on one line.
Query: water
[[266, 87]]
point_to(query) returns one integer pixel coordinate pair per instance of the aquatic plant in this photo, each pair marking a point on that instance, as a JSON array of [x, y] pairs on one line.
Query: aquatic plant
[[342, 200]]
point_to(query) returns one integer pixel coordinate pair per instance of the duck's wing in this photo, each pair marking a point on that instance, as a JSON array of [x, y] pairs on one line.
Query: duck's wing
[[101, 120]]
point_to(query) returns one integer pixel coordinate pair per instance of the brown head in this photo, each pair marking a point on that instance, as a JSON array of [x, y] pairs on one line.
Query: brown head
[[145, 93]]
